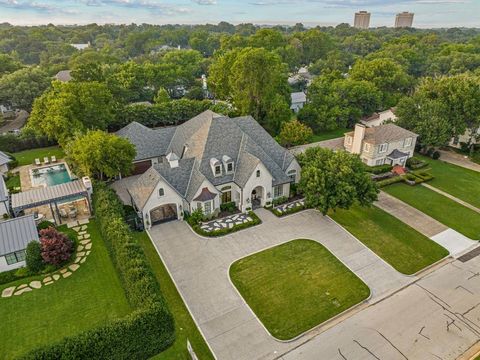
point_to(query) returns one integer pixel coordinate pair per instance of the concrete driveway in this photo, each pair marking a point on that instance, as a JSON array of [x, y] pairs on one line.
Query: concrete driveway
[[200, 266]]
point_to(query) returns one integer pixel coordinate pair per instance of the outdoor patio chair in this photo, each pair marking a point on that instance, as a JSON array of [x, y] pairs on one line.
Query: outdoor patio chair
[[37, 162], [63, 213], [54, 158], [45, 160]]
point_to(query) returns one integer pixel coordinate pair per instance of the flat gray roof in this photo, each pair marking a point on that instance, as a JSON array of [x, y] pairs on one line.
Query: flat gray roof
[[16, 233], [46, 195]]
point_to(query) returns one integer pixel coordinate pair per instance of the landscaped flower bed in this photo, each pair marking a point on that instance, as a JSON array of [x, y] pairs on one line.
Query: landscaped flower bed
[[224, 226], [289, 208]]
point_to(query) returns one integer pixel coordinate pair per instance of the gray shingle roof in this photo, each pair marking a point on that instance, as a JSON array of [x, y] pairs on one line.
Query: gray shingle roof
[[298, 97], [205, 137], [143, 187], [16, 233], [3, 189], [149, 143], [397, 154], [4, 158], [385, 134]]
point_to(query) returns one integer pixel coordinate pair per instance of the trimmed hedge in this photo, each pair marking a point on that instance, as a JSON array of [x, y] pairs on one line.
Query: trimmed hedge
[[145, 332], [379, 169], [415, 163], [225, 231], [390, 181], [289, 211]]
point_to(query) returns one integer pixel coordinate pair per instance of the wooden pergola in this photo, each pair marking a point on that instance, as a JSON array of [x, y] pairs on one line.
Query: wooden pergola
[[50, 195]]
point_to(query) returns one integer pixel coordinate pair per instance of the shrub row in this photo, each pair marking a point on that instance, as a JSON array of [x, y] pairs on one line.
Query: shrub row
[[224, 231], [149, 329], [288, 211], [13, 143], [415, 163], [390, 181], [379, 169], [280, 200]]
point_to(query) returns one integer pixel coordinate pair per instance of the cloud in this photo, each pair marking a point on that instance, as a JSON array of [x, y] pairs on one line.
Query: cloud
[[205, 2], [34, 6], [152, 5], [357, 3]]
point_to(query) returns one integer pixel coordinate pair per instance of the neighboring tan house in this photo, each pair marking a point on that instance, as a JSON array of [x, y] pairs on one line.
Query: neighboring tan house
[[209, 160], [384, 144], [299, 100], [379, 118], [4, 160], [4, 199], [15, 234]]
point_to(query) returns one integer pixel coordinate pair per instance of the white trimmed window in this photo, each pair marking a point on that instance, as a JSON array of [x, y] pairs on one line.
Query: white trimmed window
[[292, 174], [230, 167], [207, 207], [383, 148], [366, 147], [349, 140], [218, 170], [15, 257], [407, 142], [258, 173], [277, 191], [380, 162], [161, 192]]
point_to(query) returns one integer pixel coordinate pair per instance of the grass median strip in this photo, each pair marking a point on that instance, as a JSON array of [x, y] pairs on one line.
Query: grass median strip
[[296, 286], [407, 250], [439, 207]]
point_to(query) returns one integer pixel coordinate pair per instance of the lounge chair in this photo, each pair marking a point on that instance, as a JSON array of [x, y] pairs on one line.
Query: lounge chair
[[54, 158], [37, 162], [63, 213], [45, 160], [72, 213]]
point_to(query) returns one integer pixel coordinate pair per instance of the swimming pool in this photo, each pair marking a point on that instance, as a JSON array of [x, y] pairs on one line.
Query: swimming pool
[[50, 175]]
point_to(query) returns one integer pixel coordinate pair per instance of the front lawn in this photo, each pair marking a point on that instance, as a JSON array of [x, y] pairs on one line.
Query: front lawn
[[327, 135], [439, 207], [86, 299], [296, 286], [398, 244], [27, 157], [185, 327], [455, 180]]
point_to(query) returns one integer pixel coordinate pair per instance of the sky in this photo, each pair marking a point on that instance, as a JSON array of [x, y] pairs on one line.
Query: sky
[[428, 13]]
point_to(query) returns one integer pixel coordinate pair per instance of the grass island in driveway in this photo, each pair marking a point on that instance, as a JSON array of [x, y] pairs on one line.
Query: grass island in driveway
[[296, 286]]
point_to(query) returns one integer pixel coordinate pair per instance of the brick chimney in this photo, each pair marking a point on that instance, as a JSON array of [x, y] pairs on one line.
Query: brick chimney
[[358, 136]]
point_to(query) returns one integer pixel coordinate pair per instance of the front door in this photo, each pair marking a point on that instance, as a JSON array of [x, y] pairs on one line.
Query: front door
[[226, 197]]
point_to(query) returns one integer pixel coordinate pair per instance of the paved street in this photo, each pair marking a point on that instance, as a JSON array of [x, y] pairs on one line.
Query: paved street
[[411, 324], [458, 159], [200, 269]]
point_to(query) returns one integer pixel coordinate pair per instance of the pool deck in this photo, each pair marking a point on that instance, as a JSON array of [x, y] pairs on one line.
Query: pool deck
[[25, 177]]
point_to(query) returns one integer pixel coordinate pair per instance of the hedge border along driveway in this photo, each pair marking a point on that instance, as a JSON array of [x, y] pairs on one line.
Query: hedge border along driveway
[[407, 250], [439, 207], [296, 286], [457, 181], [184, 324]]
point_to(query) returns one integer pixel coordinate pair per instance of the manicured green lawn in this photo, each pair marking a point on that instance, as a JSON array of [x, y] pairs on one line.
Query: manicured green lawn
[[13, 182], [327, 135], [398, 244], [455, 180], [185, 328], [28, 157], [86, 299], [296, 286], [439, 207]]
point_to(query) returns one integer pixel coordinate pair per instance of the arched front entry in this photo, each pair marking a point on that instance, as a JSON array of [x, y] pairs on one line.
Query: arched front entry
[[163, 213], [257, 197]]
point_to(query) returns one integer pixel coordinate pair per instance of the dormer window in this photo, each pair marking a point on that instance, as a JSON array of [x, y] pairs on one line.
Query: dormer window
[[228, 163], [216, 167], [218, 170], [230, 167]]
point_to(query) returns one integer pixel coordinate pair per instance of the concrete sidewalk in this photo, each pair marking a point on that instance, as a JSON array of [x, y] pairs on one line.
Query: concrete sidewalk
[[409, 215]]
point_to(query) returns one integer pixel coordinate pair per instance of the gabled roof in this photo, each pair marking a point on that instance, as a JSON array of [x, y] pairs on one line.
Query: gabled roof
[[16, 233], [149, 143], [387, 133], [3, 190], [4, 158], [397, 154]]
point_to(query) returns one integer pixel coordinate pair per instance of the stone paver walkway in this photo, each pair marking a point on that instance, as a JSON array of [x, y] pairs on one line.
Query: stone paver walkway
[[459, 160], [409, 215], [226, 222], [83, 250], [451, 197], [289, 206]]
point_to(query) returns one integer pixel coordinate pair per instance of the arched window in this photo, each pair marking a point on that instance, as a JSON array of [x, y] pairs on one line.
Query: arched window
[[292, 174], [161, 192]]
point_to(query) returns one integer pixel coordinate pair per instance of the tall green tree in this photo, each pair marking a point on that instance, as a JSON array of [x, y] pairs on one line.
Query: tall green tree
[[69, 108], [97, 153], [332, 180], [255, 80], [23, 86]]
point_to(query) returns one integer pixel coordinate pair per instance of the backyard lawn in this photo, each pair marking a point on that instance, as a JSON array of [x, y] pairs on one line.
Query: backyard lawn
[[296, 286], [398, 244], [455, 180], [185, 328], [28, 157], [88, 298], [327, 135], [439, 207]]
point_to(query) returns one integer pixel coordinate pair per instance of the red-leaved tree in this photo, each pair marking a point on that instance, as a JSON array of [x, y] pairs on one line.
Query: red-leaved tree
[[56, 247]]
